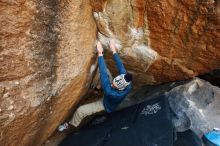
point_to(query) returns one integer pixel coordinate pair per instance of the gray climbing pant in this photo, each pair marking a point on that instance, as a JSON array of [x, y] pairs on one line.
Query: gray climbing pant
[[88, 109], [85, 111]]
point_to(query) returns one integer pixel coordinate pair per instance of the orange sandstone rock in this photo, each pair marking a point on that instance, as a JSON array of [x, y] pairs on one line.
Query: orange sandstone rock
[[165, 40], [46, 51]]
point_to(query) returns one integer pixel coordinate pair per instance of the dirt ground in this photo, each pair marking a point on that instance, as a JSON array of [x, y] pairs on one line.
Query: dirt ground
[[55, 139]]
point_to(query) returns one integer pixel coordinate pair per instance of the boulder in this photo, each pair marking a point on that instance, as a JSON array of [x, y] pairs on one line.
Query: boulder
[[47, 57], [46, 51], [162, 41], [195, 106]]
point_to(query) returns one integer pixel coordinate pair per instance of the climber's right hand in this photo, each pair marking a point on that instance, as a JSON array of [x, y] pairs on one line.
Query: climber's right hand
[[112, 46], [99, 48]]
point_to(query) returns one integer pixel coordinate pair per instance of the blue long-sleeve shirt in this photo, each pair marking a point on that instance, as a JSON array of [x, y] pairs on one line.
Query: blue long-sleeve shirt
[[112, 96]]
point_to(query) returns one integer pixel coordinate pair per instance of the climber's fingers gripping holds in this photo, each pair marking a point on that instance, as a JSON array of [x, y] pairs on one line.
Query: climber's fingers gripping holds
[[99, 48], [112, 46]]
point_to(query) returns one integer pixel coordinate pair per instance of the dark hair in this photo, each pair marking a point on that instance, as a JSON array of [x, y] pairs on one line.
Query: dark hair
[[128, 77]]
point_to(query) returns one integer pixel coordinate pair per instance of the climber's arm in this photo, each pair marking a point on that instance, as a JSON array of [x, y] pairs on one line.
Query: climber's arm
[[106, 85], [119, 64], [117, 59], [105, 82]]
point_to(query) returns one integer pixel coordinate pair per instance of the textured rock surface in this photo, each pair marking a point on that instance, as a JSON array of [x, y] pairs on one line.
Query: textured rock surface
[[162, 40], [45, 59], [46, 51], [196, 106]]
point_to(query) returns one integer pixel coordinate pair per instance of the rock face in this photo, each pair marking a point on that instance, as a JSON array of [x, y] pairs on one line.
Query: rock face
[[46, 50], [196, 106], [164, 40]]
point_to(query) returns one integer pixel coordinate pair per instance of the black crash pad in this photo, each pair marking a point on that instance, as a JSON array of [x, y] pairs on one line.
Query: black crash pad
[[146, 124]]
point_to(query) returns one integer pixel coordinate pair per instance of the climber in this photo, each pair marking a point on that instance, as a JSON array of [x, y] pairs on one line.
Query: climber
[[114, 92]]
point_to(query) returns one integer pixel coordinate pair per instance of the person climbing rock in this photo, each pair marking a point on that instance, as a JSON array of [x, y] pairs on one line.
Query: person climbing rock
[[114, 92]]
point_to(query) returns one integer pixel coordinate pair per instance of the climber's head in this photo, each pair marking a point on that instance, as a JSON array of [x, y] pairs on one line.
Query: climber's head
[[122, 81]]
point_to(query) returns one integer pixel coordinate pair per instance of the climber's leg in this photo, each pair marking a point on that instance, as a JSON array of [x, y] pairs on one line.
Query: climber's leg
[[86, 110]]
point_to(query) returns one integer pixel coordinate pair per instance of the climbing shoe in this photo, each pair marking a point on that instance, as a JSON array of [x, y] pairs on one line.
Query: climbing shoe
[[63, 127]]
